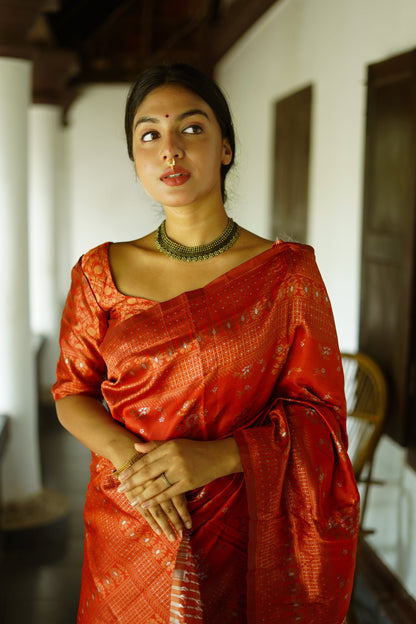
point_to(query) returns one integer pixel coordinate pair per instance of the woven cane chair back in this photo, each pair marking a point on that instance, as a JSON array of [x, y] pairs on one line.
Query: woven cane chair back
[[366, 395]]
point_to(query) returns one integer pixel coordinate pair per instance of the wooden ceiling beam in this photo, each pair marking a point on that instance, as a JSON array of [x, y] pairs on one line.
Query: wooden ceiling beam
[[147, 28], [16, 20], [234, 23], [53, 70], [125, 36]]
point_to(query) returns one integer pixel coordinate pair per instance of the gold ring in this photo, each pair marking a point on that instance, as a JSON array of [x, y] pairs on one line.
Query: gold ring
[[166, 480]]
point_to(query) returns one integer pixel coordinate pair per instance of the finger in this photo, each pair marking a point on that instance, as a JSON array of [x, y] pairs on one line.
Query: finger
[[155, 458], [145, 469], [150, 520], [130, 491], [162, 521], [146, 447], [138, 493], [150, 516], [155, 490], [173, 516], [170, 509], [158, 521], [181, 506]]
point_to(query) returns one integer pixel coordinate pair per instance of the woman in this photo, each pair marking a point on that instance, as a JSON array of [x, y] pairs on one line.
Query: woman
[[221, 490]]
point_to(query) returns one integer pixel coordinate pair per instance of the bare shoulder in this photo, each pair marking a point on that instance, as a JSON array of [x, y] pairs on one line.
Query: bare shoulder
[[251, 244], [123, 249], [127, 256]]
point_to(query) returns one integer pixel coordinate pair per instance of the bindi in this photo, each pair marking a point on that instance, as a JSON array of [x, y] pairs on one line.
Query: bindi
[[166, 116]]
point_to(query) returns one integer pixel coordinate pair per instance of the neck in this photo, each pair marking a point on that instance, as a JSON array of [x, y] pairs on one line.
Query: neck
[[195, 227]]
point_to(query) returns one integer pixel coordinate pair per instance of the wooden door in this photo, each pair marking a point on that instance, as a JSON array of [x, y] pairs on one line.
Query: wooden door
[[291, 165], [387, 313]]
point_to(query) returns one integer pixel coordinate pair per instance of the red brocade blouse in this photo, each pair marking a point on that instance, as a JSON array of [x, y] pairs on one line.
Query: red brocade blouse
[[253, 354]]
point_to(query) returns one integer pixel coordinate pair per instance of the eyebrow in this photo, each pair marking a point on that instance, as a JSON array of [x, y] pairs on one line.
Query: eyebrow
[[155, 120]]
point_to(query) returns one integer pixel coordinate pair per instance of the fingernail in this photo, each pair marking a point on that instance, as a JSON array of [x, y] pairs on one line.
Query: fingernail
[[146, 505], [125, 475], [171, 538], [188, 525], [158, 532], [122, 489]]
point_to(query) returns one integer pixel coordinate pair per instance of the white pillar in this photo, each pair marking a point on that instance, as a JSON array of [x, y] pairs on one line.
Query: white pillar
[[44, 125], [21, 468]]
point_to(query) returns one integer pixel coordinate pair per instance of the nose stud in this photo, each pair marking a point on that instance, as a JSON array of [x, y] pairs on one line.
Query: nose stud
[[171, 163]]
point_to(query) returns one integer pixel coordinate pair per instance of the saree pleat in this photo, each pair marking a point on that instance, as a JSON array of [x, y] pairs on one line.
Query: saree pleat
[[253, 354]]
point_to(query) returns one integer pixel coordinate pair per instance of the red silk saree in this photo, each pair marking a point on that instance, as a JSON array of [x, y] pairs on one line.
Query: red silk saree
[[253, 354]]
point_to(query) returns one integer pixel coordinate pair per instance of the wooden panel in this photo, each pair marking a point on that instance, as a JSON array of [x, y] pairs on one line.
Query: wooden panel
[[388, 249], [390, 168], [381, 329], [291, 165]]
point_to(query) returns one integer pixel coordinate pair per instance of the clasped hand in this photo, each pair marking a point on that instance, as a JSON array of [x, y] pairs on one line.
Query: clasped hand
[[186, 465]]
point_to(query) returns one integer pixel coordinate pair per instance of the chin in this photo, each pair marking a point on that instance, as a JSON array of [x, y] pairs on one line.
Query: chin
[[178, 201]]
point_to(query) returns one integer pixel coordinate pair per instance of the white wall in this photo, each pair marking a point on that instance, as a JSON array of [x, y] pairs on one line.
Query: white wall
[[100, 198], [329, 44]]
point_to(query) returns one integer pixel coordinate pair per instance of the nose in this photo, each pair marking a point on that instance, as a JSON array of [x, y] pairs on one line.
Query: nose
[[171, 149], [170, 157]]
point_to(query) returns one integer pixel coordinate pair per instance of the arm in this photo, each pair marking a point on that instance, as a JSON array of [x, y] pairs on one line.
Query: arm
[[88, 420], [77, 392], [81, 371]]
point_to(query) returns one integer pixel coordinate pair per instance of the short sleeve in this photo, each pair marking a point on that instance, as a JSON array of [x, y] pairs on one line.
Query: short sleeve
[[81, 368]]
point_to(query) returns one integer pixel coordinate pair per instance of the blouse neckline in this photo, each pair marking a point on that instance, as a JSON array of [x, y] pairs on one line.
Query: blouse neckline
[[246, 265]]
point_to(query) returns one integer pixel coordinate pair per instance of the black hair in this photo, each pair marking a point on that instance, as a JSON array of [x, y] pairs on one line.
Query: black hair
[[191, 79]]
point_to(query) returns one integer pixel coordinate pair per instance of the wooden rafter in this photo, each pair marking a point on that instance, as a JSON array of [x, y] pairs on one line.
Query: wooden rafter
[[232, 25]]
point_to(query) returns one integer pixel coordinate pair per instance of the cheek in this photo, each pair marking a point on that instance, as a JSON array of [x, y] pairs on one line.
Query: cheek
[[140, 158], [141, 165]]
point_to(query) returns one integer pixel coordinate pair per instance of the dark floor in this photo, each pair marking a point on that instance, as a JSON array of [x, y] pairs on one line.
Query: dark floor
[[41, 569]]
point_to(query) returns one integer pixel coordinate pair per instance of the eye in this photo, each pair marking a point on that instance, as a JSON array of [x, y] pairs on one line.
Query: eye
[[150, 136], [193, 129]]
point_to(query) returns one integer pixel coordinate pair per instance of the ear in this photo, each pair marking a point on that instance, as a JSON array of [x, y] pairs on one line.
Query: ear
[[227, 152]]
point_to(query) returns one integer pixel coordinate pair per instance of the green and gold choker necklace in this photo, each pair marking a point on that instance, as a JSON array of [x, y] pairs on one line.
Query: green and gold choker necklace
[[201, 252]]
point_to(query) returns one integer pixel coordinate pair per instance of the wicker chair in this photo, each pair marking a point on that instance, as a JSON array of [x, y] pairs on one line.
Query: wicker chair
[[366, 395]]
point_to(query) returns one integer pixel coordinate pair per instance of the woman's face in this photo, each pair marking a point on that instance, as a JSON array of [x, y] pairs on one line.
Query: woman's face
[[174, 123]]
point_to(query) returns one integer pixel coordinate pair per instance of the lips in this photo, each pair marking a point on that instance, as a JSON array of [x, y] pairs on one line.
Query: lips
[[175, 177]]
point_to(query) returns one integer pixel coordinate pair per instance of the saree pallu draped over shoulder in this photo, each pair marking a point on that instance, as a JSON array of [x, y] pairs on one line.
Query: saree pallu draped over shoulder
[[253, 354]]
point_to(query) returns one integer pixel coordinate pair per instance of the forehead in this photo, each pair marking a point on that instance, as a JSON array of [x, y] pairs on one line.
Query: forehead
[[171, 99]]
